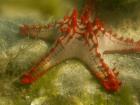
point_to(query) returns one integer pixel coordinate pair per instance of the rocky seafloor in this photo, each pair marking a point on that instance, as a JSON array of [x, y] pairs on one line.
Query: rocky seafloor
[[68, 83]]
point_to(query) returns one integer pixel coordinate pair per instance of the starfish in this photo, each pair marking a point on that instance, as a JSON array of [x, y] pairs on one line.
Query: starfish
[[83, 38]]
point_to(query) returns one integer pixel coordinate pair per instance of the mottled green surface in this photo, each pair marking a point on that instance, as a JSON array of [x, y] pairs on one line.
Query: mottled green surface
[[68, 83]]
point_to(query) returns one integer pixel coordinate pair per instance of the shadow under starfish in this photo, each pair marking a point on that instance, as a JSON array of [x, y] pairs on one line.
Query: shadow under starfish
[[81, 38]]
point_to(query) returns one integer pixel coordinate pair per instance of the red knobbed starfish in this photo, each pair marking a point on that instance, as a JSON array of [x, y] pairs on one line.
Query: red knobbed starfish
[[84, 39]]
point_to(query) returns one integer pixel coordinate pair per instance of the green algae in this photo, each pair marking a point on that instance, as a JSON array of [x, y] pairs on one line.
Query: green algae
[[68, 83], [82, 96]]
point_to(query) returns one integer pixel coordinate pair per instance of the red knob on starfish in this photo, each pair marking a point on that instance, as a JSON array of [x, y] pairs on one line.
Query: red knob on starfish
[[27, 79], [24, 29], [111, 83]]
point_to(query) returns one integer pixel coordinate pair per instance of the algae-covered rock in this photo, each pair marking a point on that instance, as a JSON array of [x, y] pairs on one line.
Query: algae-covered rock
[[71, 83], [68, 83], [6, 101]]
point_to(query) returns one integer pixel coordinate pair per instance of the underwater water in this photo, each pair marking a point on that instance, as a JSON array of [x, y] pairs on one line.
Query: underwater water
[[68, 83]]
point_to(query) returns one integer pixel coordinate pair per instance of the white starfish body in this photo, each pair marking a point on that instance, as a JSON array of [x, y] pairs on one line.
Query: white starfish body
[[85, 40]]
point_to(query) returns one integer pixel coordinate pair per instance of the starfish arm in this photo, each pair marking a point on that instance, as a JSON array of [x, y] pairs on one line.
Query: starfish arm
[[73, 49], [111, 44], [57, 54], [36, 31]]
